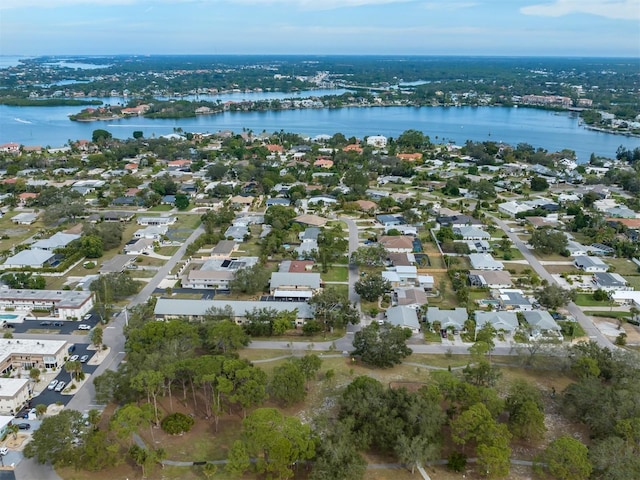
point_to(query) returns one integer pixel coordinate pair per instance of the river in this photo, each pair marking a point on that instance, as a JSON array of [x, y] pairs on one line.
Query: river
[[49, 126]]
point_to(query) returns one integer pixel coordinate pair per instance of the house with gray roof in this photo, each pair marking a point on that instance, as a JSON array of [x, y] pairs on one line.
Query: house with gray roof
[[58, 240], [31, 258], [294, 285], [405, 317], [168, 308], [541, 321], [590, 264], [610, 282], [501, 321], [236, 233], [511, 299], [453, 319], [484, 261], [390, 221], [469, 232]]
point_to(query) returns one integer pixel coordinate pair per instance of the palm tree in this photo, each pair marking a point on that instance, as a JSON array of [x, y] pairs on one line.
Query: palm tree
[[13, 429], [41, 409]]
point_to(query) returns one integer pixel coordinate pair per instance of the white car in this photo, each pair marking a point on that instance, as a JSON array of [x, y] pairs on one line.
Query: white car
[[4, 451], [84, 327], [73, 358], [84, 358], [60, 386], [87, 316], [52, 384]]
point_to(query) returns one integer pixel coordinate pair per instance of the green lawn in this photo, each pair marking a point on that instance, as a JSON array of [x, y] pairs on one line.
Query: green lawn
[[336, 274], [607, 314], [623, 266], [586, 300], [634, 281]]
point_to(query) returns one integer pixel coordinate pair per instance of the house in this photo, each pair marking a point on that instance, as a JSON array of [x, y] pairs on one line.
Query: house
[[31, 259], [490, 279], [156, 220], [311, 220], [241, 201], [284, 202], [14, 394], [63, 304], [405, 317], [448, 319], [502, 321], [621, 212], [610, 282], [514, 207], [378, 141], [511, 299], [541, 322], [57, 240], [236, 233], [309, 239], [25, 218], [477, 246], [458, 221], [23, 355], [116, 264], [323, 199], [294, 285], [366, 205], [139, 246], [426, 282], [410, 297], [390, 221], [576, 249], [154, 232], [216, 273], [323, 163], [169, 308], [590, 264], [484, 261], [397, 243], [25, 198], [118, 216], [224, 248], [468, 232], [626, 297]]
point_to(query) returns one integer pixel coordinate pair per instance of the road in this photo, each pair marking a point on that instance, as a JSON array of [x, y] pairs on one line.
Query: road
[[113, 337], [587, 325]]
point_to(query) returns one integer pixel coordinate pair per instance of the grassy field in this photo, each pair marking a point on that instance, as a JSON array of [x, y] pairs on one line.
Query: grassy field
[[336, 274], [606, 314], [623, 266], [16, 233]]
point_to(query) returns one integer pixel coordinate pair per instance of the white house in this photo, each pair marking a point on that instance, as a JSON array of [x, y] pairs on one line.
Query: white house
[[14, 394], [590, 264], [156, 220], [378, 141], [484, 261], [63, 304]]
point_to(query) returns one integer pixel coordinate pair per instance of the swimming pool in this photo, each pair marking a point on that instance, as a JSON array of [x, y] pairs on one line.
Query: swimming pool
[[8, 316]]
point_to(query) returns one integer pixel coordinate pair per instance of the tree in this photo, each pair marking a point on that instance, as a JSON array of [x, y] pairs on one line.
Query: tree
[[34, 374], [548, 241], [554, 296], [74, 368], [382, 345], [338, 457], [413, 140], [331, 246], [276, 442], [566, 459], [54, 441], [177, 423], [100, 136], [41, 409], [332, 309], [539, 184], [96, 337], [145, 457], [182, 201], [287, 384], [250, 280], [226, 336], [91, 246], [484, 189], [309, 365], [370, 256], [13, 429], [238, 460], [98, 452], [372, 286]]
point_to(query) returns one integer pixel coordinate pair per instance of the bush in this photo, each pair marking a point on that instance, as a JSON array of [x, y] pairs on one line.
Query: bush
[[177, 423], [457, 461]]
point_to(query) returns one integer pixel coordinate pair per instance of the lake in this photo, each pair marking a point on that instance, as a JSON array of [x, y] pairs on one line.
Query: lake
[[550, 130]]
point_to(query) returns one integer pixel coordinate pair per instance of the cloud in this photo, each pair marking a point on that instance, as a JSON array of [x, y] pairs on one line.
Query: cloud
[[302, 4], [613, 9], [449, 6]]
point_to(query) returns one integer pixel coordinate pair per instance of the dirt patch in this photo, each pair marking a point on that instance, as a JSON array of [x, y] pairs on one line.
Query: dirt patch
[[16, 443], [609, 327], [99, 356]]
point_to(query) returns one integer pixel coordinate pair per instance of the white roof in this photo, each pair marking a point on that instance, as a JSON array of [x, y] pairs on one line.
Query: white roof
[[34, 258], [9, 387]]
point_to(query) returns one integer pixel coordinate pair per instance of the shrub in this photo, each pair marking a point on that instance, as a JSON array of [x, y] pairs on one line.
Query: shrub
[[457, 461], [177, 423]]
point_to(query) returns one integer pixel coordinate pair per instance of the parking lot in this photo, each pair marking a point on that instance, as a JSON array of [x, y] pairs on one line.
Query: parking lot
[[64, 327]]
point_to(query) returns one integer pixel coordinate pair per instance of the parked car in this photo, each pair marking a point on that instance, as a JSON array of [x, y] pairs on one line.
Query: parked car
[[87, 316], [24, 426], [73, 358], [8, 325], [52, 384], [46, 323], [84, 358], [4, 451], [84, 327], [60, 386], [58, 324]]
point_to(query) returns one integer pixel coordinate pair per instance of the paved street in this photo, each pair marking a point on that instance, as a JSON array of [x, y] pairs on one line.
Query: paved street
[[587, 325]]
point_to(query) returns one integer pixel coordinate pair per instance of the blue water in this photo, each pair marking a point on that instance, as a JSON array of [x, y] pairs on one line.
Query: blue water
[[8, 316], [552, 131]]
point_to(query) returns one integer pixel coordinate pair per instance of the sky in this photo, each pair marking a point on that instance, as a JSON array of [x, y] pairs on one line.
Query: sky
[[584, 28]]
